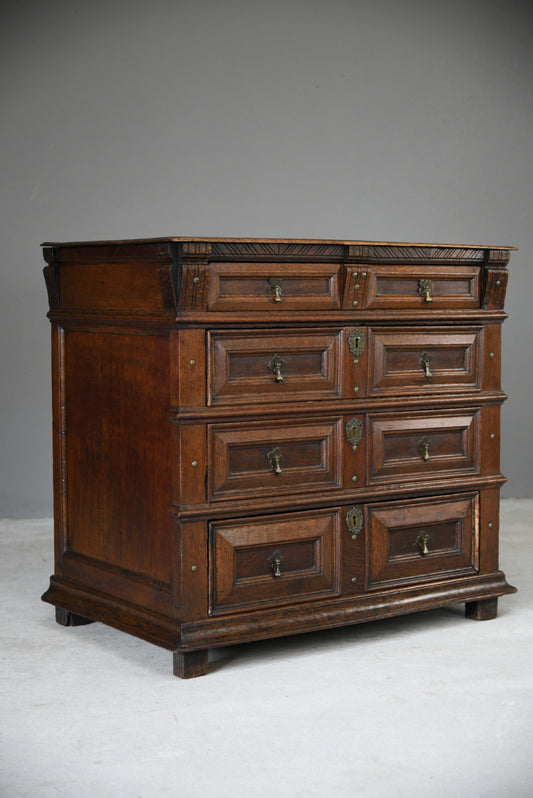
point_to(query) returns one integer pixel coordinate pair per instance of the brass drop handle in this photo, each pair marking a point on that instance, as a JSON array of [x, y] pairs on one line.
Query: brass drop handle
[[275, 365], [275, 287], [425, 361], [424, 444], [422, 543], [275, 459], [424, 289], [275, 561]]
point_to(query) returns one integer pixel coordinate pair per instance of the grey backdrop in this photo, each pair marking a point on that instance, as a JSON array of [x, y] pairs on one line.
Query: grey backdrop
[[370, 119]]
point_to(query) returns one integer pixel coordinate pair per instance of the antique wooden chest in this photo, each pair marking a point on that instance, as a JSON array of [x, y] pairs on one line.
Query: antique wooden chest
[[255, 438]]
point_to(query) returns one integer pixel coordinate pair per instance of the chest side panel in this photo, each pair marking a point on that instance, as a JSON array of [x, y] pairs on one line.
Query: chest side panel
[[117, 467]]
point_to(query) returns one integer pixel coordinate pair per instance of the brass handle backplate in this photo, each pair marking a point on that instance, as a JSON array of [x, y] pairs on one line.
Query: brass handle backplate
[[275, 365], [422, 543], [424, 444], [275, 288], [424, 289], [275, 561], [275, 458], [425, 361]]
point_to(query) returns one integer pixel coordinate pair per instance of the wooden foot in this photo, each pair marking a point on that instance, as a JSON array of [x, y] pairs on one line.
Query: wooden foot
[[188, 664], [484, 610], [68, 618]]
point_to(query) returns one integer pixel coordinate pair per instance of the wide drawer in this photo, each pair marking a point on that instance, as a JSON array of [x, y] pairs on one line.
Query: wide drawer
[[274, 559], [424, 288], [264, 459], [272, 366], [273, 286], [425, 360], [421, 539], [413, 447]]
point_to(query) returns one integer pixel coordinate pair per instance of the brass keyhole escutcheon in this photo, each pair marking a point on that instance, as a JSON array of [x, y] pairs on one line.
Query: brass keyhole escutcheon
[[354, 521], [424, 444], [422, 543], [354, 432], [275, 365], [275, 561], [275, 288], [356, 343], [425, 361], [424, 290], [275, 458]]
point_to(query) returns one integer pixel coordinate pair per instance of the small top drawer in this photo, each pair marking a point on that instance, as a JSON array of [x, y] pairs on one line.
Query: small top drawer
[[424, 287], [268, 286]]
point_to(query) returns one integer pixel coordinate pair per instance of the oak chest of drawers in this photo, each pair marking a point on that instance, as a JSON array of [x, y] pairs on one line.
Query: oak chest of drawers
[[255, 438]]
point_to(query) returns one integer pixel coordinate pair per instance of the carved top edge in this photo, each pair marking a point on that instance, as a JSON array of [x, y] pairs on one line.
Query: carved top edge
[[418, 252], [286, 241], [278, 249]]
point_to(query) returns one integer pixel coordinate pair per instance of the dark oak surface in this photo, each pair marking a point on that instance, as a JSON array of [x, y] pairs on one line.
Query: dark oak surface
[[261, 437], [163, 239]]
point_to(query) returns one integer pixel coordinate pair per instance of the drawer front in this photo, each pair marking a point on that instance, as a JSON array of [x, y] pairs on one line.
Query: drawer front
[[273, 559], [259, 459], [274, 366], [417, 447], [271, 286], [425, 361], [423, 538], [424, 288]]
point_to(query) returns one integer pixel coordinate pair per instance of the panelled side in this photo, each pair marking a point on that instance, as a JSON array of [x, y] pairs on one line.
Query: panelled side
[[112, 456]]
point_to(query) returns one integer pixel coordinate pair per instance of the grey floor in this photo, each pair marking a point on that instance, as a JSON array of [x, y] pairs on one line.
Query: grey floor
[[424, 706]]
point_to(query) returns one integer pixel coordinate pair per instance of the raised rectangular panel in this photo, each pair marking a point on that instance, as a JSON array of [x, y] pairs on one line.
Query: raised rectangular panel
[[425, 360], [423, 539], [274, 559], [274, 366], [423, 446], [262, 459], [399, 287], [274, 286]]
